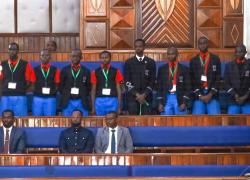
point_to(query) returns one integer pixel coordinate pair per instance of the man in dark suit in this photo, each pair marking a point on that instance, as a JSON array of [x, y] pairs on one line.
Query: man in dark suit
[[76, 139], [174, 87], [140, 73], [237, 82], [205, 74], [12, 139], [113, 138]]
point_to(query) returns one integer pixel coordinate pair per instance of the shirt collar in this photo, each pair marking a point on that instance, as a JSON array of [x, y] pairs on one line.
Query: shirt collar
[[173, 64], [239, 61], [75, 67], [138, 57], [116, 128], [203, 55], [45, 66], [108, 66], [13, 62], [4, 129]]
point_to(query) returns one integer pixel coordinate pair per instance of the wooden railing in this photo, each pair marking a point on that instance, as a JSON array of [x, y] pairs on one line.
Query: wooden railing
[[95, 121], [126, 159]]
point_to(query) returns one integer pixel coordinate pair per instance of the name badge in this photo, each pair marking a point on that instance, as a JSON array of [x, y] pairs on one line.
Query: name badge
[[106, 91], [11, 85], [173, 89], [74, 91], [45, 90], [204, 78]]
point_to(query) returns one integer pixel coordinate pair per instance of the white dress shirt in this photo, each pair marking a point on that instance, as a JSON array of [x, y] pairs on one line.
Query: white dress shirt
[[110, 136], [4, 134], [138, 58]]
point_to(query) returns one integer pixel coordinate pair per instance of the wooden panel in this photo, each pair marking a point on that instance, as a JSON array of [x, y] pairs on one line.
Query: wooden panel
[[233, 8], [96, 8], [128, 159], [95, 34], [233, 32], [167, 22], [35, 43], [95, 121]]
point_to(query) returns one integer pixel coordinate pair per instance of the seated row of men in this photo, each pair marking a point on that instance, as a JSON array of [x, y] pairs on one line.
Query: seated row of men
[[176, 84], [76, 139]]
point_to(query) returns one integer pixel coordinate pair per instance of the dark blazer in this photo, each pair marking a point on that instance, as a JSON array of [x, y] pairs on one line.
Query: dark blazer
[[183, 88], [81, 141], [17, 141], [140, 76], [213, 75], [124, 140], [236, 83]]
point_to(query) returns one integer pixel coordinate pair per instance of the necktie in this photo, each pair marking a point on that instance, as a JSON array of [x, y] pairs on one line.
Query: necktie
[[113, 141], [6, 142]]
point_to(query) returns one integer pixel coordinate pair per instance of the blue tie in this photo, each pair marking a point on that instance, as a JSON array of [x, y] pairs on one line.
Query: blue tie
[[113, 141]]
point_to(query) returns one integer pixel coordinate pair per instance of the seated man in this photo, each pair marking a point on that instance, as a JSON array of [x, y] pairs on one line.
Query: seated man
[[76, 139], [113, 138], [12, 139]]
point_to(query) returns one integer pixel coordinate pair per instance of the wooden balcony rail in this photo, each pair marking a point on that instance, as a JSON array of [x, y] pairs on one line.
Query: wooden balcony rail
[[126, 159]]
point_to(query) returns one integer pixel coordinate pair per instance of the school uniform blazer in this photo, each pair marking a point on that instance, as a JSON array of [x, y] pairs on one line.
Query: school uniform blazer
[[236, 83], [124, 140], [183, 84], [213, 75], [17, 141]]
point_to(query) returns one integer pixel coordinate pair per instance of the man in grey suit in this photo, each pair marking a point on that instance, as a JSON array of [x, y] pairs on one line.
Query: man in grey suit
[[113, 138], [12, 139]]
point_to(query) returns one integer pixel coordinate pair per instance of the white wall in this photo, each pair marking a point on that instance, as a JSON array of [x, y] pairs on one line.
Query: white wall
[[246, 30]]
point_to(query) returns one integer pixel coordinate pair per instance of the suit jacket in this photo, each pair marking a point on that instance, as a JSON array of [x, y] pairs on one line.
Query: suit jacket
[[140, 76], [124, 145], [81, 141], [236, 82], [213, 75], [17, 141], [183, 84]]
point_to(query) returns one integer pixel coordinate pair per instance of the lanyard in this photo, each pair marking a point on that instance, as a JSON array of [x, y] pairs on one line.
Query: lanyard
[[13, 70], [75, 75], [106, 76], [173, 74], [45, 75], [205, 64]]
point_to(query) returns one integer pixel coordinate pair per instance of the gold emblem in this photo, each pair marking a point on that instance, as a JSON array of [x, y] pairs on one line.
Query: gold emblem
[[165, 8], [235, 4]]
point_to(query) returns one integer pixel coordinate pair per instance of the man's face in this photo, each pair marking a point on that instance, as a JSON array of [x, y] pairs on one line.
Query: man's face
[[203, 44], [110, 120], [8, 119], [139, 47], [13, 52], [51, 46], [105, 58], [172, 54], [76, 119], [45, 56], [240, 52], [76, 57]]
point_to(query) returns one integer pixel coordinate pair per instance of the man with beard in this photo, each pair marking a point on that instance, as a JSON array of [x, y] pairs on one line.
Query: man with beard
[[12, 139], [76, 139]]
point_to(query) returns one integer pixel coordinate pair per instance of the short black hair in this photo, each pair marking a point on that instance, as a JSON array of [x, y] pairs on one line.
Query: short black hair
[[77, 110], [241, 45], [113, 112], [8, 111], [106, 52], [14, 44], [203, 37], [140, 40]]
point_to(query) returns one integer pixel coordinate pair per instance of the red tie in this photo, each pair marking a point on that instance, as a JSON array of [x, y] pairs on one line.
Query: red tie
[[6, 142]]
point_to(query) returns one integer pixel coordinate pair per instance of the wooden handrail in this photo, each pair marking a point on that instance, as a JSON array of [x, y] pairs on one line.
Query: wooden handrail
[[95, 121], [126, 159]]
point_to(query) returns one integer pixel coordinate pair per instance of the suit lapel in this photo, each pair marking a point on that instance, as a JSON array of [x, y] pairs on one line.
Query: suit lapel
[[236, 74], [12, 135], [106, 136], [119, 134], [1, 136]]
